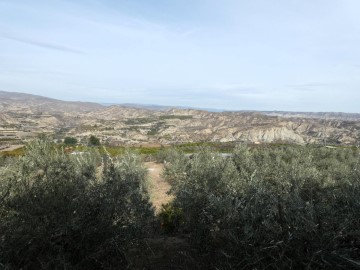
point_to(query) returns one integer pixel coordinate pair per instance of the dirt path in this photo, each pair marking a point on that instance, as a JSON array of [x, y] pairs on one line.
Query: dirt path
[[163, 251], [12, 147], [158, 186]]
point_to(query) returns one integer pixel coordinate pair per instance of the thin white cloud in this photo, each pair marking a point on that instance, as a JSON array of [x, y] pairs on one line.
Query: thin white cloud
[[42, 44]]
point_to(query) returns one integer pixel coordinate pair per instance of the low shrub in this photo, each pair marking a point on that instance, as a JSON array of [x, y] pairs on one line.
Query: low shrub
[[171, 218]]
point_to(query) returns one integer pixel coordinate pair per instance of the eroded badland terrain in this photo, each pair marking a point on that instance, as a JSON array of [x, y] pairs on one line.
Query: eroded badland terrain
[[24, 116]]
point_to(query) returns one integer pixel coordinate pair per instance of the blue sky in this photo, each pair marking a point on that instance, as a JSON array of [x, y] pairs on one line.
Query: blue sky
[[296, 55]]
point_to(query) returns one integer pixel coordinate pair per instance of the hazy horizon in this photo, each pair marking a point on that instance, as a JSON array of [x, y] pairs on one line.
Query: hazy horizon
[[262, 55]]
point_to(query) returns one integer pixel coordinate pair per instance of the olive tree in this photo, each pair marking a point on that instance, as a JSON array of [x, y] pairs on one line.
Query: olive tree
[[59, 211]]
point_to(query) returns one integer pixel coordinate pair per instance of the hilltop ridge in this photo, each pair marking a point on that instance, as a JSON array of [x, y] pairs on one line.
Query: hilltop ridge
[[16, 102]]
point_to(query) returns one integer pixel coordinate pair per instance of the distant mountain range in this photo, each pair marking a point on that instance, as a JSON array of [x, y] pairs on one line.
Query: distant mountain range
[[160, 107], [321, 115], [17, 101], [46, 104], [25, 116]]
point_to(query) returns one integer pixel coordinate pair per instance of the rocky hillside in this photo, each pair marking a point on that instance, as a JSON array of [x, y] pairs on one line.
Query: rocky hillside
[[139, 126], [23, 116], [320, 115]]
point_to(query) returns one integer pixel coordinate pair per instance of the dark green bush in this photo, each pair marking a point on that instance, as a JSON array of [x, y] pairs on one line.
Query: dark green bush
[[171, 218], [60, 211], [70, 140], [94, 141]]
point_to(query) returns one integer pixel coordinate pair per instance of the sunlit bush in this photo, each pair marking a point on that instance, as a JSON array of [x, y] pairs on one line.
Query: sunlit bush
[[282, 208]]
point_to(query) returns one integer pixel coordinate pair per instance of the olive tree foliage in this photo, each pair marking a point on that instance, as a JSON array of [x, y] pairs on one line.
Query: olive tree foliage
[[281, 208], [59, 211]]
